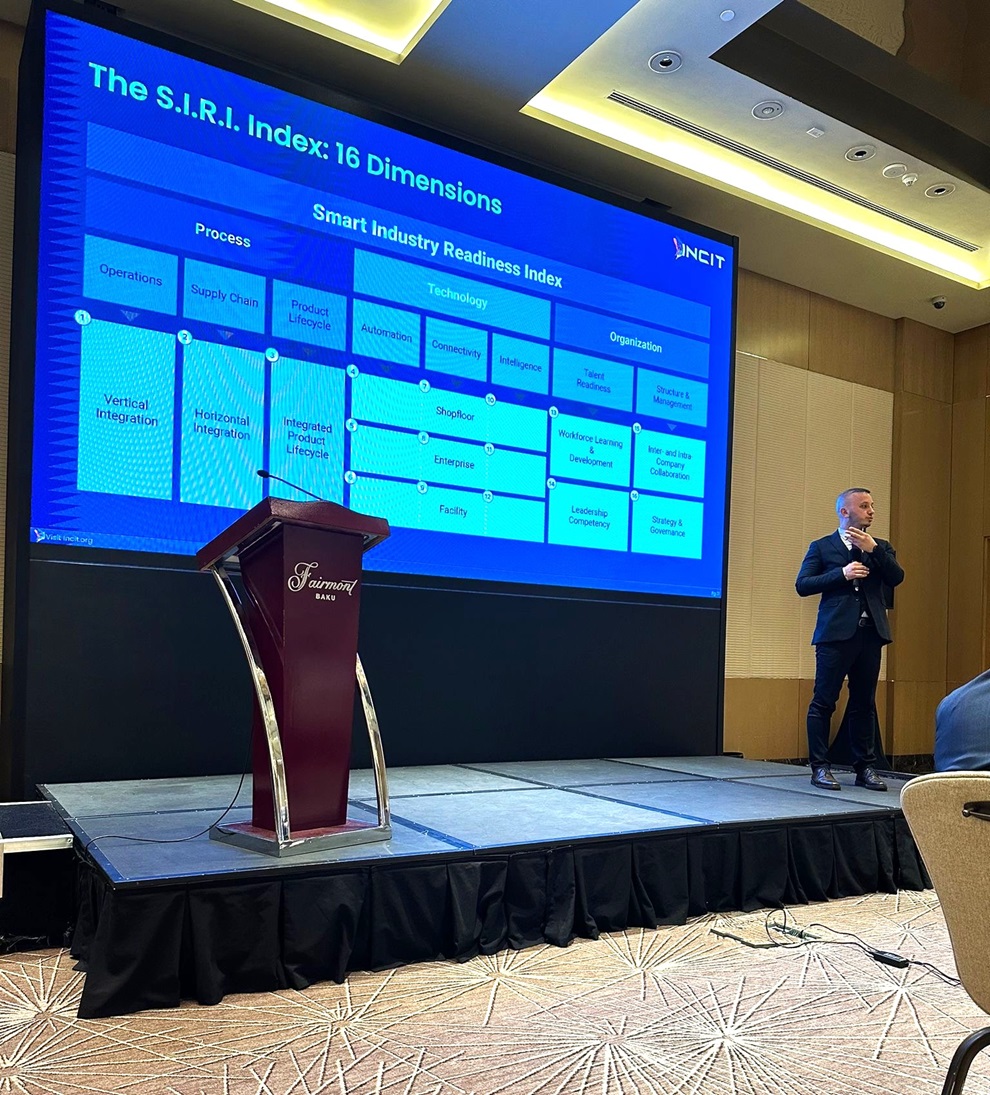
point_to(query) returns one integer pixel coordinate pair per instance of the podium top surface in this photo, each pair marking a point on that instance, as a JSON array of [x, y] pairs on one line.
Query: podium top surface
[[272, 512]]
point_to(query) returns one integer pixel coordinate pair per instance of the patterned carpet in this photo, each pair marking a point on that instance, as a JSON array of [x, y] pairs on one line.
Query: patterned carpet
[[675, 1010]]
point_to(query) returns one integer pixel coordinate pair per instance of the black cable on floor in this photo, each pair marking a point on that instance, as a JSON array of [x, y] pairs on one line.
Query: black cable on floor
[[802, 937]]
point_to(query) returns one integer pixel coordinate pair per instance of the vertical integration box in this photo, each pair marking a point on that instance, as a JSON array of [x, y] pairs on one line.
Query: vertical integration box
[[126, 410]]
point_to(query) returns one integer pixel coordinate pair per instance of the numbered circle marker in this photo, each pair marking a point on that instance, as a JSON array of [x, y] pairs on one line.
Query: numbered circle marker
[[551, 483], [352, 371], [637, 428], [634, 495], [271, 354], [185, 337], [424, 385], [489, 448], [350, 477], [83, 317], [490, 399], [488, 496], [350, 425], [424, 438], [422, 487], [553, 412]]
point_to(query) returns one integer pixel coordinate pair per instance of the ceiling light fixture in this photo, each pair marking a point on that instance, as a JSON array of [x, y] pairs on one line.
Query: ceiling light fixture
[[860, 152], [726, 170], [894, 170], [388, 28], [768, 109], [727, 16], [667, 60], [940, 190]]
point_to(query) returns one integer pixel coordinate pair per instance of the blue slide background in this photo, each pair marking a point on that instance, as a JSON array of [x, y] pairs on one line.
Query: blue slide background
[[128, 173]]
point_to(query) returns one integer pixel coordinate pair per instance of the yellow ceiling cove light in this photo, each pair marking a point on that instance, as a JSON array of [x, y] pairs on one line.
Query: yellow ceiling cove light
[[697, 158], [386, 28]]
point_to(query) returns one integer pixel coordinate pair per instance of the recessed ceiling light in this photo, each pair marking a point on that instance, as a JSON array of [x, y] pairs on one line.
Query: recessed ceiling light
[[727, 16], [860, 152], [894, 170], [667, 60], [768, 109], [940, 190]]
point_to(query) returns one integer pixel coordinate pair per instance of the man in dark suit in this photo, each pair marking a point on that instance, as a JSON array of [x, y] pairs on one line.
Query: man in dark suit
[[853, 572]]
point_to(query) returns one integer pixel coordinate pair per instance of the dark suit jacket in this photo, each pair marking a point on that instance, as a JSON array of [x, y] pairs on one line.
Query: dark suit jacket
[[839, 610]]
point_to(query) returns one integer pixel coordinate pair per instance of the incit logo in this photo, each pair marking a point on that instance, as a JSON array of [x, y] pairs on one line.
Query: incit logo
[[684, 250]]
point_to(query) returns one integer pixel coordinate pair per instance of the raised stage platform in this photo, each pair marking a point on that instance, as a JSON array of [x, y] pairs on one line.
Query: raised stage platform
[[482, 857]]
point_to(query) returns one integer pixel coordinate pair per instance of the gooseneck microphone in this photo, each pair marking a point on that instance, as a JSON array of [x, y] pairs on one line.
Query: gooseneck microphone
[[264, 473]]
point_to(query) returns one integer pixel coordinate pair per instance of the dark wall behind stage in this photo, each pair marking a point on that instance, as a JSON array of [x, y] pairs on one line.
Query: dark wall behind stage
[[138, 673]]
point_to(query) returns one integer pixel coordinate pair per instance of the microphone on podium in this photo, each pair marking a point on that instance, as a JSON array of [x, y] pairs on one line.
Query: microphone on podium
[[264, 473]]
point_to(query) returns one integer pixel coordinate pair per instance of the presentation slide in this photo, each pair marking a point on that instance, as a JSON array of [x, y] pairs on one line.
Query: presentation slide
[[530, 384]]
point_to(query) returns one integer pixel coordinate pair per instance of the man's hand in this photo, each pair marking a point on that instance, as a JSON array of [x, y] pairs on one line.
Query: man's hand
[[863, 540], [855, 570]]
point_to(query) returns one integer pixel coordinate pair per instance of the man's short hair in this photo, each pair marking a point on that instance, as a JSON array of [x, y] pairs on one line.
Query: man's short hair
[[845, 495]]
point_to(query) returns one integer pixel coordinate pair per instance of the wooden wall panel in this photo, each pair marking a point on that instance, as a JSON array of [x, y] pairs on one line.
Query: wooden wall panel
[[913, 716], [800, 438], [966, 531], [11, 38], [923, 474], [772, 319], [851, 344], [923, 358], [870, 450], [778, 544], [971, 364], [763, 718], [739, 596]]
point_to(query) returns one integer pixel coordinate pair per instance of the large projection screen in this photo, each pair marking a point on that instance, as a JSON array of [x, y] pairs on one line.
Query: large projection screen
[[220, 272]]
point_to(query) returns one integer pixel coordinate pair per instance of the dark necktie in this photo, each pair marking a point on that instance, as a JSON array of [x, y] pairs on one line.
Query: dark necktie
[[856, 554]]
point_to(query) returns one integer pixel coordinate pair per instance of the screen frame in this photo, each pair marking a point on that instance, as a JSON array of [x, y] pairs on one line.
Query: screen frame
[[30, 124], [20, 552]]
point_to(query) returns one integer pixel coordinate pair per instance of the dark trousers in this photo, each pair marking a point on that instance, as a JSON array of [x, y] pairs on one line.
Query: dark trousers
[[858, 659]]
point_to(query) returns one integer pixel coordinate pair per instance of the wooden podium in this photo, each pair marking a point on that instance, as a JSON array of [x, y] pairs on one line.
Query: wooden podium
[[300, 565]]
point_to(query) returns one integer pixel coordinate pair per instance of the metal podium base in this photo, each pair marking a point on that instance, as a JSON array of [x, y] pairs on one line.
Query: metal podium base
[[246, 835]]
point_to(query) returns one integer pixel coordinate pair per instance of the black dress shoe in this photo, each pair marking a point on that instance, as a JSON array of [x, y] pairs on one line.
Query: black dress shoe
[[870, 780], [821, 776]]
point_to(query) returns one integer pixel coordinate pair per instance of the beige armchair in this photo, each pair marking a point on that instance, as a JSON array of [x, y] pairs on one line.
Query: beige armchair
[[949, 817]]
